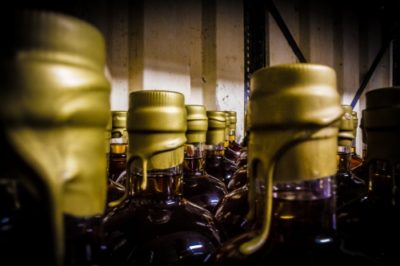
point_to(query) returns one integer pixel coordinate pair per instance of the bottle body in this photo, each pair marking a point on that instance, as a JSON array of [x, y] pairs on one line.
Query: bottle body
[[199, 187], [145, 228], [302, 228], [350, 188], [155, 224]]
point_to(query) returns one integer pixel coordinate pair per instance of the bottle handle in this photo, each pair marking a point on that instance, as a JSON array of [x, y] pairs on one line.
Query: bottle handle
[[254, 244], [270, 157]]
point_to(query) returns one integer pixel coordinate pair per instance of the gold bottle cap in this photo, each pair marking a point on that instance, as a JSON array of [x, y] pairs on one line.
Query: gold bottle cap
[[382, 123], [119, 130], [346, 127], [55, 108], [216, 127], [302, 104], [197, 124], [297, 140], [156, 128], [58, 64]]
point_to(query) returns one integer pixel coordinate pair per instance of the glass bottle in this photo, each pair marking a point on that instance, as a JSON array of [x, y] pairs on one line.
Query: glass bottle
[[217, 164], [239, 178], [349, 187], [155, 225], [55, 106], [361, 170], [231, 213], [232, 132], [232, 149], [356, 160], [118, 145], [199, 187], [292, 152], [370, 226], [117, 159]]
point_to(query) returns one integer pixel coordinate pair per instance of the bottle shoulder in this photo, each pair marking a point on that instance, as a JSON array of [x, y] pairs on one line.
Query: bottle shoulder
[[204, 181], [169, 215], [160, 234], [238, 179]]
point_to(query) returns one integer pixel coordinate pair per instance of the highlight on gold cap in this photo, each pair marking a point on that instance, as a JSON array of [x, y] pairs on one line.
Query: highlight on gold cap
[[297, 98], [307, 94], [216, 119], [119, 119], [197, 123], [156, 110]]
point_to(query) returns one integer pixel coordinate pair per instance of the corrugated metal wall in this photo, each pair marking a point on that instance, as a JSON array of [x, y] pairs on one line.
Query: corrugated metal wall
[[197, 47]]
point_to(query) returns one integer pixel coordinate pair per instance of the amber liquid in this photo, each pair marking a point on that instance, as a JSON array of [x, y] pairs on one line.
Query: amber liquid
[[117, 165], [200, 188], [159, 227], [301, 233], [26, 230]]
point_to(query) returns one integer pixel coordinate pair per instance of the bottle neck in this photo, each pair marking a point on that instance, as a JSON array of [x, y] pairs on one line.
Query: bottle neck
[[194, 159], [382, 182], [161, 183], [215, 150], [304, 208], [343, 159]]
